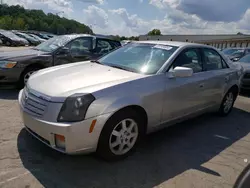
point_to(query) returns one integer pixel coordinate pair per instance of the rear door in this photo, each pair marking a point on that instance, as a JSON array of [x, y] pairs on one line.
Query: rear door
[[79, 50], [103, 46], [216, 75]]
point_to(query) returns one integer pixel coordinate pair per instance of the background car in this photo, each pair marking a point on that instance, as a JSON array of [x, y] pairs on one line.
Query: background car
[[33, 41], [20, 64], [10, 39], [235, 54], [245, 63], [109, 104], [37, 37]]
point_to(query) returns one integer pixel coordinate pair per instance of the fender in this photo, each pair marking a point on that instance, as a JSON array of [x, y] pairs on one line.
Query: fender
[[112, 105]]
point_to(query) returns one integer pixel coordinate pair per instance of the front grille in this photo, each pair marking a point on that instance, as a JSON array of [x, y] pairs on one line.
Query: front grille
[[33, 104], [246, 75]]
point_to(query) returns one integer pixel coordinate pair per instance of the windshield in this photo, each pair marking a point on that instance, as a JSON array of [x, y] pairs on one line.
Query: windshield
[[230, 51], [26, 36], [141, 58], [53, 43], [9, 34], [245, 59]]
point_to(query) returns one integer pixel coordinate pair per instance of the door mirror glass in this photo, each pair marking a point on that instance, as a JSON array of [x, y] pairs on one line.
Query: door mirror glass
[[63, 51], [181, 72]]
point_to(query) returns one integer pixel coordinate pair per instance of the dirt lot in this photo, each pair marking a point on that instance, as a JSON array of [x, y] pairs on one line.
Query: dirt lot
[[5, 48], [206, 152]]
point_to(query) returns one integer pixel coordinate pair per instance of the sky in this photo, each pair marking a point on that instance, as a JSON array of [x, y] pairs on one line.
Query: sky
[[137, 17]]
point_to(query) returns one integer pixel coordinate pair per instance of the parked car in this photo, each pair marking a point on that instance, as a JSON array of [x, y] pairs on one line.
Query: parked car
[[17, 66], [10, 39], [124, 42], [245, 63], [37, 37], [107, 105], [235, 54], [33, 41]]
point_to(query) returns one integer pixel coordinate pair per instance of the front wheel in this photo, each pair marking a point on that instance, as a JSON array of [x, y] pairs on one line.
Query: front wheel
[[120, 135], [227, 103], [26, 75]]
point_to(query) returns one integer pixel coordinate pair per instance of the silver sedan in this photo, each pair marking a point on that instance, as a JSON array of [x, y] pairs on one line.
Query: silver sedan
[[108, 105]]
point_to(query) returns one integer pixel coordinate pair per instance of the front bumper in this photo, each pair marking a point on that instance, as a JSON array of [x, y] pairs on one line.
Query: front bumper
[[78, 138], [10, 75]]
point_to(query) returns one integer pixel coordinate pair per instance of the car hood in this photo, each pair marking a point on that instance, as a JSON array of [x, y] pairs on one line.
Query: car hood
[[9, 55], [246, 66], [84, 77]]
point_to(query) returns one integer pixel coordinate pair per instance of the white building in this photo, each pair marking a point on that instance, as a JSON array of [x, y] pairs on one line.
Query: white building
[[218, 41]]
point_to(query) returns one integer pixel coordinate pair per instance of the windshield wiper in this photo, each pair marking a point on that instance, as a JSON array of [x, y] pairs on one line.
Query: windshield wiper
[[96, 61], [122, 68]]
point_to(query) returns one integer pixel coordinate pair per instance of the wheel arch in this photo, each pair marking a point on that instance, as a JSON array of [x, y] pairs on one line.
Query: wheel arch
[[235, 89]]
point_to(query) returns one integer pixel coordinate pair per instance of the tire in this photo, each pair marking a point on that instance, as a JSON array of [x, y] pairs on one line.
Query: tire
[[227, 103], [126, 139], [25, 75]]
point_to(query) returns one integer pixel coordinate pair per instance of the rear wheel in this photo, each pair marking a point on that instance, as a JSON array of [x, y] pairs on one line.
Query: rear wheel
[[120, 135], [227, 103]]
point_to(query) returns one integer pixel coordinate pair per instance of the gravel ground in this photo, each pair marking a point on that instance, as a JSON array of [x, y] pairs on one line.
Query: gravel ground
[[208, 151], [6, 48]]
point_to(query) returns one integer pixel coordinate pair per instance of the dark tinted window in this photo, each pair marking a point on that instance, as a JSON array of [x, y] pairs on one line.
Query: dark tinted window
[[103, 46], [190, 58], [212, 60], [79, 46]]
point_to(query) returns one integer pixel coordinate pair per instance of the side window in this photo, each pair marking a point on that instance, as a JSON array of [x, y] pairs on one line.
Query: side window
[[103, 46], [190, 58], [212, 60], [79, 46]]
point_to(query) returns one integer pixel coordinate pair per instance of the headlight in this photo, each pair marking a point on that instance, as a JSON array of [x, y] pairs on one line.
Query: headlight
[[7, 64], [75, 107]]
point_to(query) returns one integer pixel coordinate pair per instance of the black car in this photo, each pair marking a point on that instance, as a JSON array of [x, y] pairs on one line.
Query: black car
[[10, 39], [33, 41], [236, 53], [17, 66]]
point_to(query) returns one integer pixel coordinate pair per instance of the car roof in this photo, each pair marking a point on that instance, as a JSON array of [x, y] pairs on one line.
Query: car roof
[[172, 43], [88, 35]]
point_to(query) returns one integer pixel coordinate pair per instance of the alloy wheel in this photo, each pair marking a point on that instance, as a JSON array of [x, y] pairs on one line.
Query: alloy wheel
[[27, 76], [228, 103], [123, 137]]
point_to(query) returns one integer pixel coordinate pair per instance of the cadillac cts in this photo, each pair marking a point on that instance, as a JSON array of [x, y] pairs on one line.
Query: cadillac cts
[[108, 105]]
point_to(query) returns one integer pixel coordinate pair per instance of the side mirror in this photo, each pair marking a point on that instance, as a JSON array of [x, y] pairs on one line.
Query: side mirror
[[63, 51], [181, 72]]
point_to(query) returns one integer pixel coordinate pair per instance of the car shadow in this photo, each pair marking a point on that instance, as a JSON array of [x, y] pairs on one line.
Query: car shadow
[[8, 93], [162, 156]]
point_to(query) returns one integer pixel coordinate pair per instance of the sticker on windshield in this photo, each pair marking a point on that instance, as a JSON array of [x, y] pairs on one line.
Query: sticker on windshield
[[164, 47], [53, 46]]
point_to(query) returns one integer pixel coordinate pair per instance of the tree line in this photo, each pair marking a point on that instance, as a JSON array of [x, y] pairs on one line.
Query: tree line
[[18, 18]]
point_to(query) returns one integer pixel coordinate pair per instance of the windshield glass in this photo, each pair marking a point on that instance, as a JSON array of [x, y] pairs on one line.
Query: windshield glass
[[238, 53], [53, 43], [141, 58], [245, 59], [230, 51], [9, 34]]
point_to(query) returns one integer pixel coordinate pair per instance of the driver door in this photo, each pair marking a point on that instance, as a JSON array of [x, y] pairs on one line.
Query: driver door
[[183, 95]]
